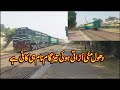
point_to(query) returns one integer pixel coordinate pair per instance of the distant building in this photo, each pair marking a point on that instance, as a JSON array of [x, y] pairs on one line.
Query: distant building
[[111, 23]]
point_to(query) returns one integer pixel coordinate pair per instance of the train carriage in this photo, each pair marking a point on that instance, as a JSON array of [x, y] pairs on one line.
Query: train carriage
[[54, 41], [89, 26]]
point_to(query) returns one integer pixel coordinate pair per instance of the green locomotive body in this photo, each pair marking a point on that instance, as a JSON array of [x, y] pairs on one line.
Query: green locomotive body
[[89, 26], [27, 39], [93, 25]]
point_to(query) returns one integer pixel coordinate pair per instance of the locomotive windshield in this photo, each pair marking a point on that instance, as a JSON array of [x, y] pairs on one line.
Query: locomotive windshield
[[23, 31]]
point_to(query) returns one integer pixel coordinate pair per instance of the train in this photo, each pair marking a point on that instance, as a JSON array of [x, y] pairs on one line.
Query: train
[[27, 39], [93, 25]]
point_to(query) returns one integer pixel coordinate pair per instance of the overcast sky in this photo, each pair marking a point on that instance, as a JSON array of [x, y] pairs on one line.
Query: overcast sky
[[80, 18], [51, 23]]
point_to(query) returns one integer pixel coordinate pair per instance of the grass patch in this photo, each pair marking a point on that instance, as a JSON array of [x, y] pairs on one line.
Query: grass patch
[[8, 50], [111, 63]]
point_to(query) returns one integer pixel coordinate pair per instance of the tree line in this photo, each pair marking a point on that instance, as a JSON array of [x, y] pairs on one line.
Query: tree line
[[108, 48], [72, 19], [7, 33]]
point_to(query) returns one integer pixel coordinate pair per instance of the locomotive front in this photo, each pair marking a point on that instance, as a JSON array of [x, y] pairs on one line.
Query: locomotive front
[[22, 39]]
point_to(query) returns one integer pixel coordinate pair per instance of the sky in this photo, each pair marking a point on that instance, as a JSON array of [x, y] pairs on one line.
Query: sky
[[51, 23], [80, 18]]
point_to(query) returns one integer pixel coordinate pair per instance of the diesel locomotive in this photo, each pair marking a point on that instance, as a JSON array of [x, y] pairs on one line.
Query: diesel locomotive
[[27, 39]]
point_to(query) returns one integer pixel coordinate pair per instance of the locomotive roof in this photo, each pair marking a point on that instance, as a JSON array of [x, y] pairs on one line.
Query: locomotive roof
[[24, 28]]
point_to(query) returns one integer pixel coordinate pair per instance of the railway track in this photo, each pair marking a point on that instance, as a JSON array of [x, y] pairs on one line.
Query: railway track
[[16, 71], [109, 32], [14, 54], [30, 72], [8, 55], [19, 70], [102, 35], [18, 65], [1, 72]]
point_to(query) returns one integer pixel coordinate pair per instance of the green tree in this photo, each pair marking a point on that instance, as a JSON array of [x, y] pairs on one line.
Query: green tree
[[115, 49], [2, 27], [8, 34], [94, 19], [99, 20], [111, 18], [71, 19]]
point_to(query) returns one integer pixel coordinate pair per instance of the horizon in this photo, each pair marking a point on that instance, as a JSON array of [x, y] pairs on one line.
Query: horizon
[[49, 22], [89, 15]]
